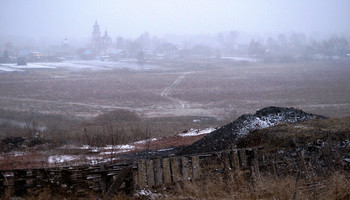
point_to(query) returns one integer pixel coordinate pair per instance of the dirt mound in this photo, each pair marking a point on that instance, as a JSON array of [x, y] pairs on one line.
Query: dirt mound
[[226, 136]]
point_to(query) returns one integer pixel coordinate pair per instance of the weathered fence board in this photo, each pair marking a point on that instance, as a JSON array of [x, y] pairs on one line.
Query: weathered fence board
[[166, 170], [195, 167], [150, 173], [185, 169], [234, 160], [242, 158], [141, 168], [158, 172], [175, 172]]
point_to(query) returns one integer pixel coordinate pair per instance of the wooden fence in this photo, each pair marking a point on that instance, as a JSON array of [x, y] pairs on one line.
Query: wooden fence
[[154, 173]]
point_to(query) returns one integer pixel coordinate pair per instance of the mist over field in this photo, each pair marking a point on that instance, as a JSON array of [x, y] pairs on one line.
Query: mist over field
[[87, 82]]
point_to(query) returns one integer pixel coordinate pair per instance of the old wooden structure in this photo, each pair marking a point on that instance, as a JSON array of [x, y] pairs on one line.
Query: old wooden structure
[[153, 173]]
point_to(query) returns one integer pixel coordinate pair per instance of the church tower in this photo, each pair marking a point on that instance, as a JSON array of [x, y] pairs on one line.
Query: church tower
[[96, 35], [96, 39]]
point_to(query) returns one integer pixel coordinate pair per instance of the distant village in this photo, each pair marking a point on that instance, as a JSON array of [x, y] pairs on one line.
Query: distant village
[[101, 47], [283, 48]]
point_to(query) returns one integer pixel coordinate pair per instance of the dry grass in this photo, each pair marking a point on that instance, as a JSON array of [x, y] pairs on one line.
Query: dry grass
[[292, 135], [237, 186], [230, 185]]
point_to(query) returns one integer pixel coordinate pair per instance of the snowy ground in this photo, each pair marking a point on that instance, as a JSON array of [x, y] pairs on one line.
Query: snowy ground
[[66, 155], [76, 65], [196, 132]]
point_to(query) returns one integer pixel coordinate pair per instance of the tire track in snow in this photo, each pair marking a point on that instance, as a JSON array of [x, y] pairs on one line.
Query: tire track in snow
[[165, 92]]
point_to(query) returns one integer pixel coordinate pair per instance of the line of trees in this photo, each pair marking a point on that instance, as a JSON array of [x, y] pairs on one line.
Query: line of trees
[[299, 48]]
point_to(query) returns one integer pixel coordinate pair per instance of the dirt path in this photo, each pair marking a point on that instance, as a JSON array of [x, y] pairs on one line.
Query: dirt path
[[165, 92]]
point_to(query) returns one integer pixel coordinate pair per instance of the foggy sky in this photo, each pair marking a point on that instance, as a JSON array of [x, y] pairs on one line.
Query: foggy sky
[[129, 18]]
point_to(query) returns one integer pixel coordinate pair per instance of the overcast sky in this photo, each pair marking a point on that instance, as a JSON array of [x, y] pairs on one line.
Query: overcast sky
[[74, 18]]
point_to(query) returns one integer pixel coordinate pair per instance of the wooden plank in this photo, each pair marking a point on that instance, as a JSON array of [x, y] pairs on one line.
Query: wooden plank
[[242, 159], [255, 166], [104, 180], [234, 160], [135, 179], [195, 167], [185, 169], [166, 170], [175, 172], [141, 169], [225, 160], [158, 172], [150, 173], [303, 164], [112, 191], [273, 166], [19, 182]]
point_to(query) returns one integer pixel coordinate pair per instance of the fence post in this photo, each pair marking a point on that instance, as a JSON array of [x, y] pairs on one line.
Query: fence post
[[255, 165], [234, 160], [175, 169], [166, 171], [243, 158], [185, 170], [141, 169], [157, 172], [195, 167], [225, 160], [104, 180], [19, 182], [150, 173]]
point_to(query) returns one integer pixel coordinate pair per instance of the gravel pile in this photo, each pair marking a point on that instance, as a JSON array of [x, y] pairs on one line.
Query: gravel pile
[[226, 136]]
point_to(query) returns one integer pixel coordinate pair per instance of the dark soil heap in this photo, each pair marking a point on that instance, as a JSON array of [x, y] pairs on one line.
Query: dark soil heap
[[12, 144], [226, 136]]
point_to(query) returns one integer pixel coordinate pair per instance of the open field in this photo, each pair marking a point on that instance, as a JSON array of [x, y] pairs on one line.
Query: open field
[[216, 88]]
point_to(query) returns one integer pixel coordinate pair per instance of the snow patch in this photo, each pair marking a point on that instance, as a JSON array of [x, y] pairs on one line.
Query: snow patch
[[33, 66], [19, 153], [85, 147], [61, 159], [117, 149], [255, 124], [148, 194], [196, 132], [9, 69], [145, 141], [114, 152], [168, 149], [121, 147]]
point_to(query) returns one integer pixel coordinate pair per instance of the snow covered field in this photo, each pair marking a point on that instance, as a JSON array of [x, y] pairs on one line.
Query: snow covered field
[[77, 65]]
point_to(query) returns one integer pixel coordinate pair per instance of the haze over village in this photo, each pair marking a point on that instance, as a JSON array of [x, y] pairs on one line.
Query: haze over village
[[57, 31]]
